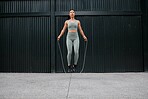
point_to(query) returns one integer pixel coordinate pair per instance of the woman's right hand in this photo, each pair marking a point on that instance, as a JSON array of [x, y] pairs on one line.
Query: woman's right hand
[[58, 38]]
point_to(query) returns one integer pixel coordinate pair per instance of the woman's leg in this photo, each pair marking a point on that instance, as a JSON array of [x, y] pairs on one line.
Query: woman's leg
[[69, 49], [76, 50]]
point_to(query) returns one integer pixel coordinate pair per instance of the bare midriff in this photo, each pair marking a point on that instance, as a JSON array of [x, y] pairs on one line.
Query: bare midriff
[[72, 31]]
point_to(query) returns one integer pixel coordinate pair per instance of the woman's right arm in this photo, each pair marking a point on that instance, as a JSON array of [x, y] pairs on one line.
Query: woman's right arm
[[63, 30]]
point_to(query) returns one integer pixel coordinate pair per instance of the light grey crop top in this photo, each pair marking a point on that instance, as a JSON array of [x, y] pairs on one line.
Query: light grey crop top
[[72, 25]]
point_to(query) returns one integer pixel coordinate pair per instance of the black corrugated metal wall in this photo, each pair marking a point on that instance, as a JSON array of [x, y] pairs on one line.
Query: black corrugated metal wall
[[29, 29]]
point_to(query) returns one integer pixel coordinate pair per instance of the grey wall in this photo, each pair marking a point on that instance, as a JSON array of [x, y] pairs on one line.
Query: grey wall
[[29, 29]]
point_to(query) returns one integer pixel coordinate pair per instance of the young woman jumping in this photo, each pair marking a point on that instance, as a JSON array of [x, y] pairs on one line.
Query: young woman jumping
[[72, 39]]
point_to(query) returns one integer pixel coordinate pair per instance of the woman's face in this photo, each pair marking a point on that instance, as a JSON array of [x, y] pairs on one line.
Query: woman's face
[[72, 13]]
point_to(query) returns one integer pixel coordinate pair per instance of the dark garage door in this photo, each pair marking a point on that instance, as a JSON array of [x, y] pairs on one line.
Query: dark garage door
[[29, 29]]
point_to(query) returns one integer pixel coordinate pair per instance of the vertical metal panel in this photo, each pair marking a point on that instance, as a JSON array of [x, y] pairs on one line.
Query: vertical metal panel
[[98, 5], [53, 62], [144, 4], [25, 45], [5, 42], [115, 44], [146, 36], [19, 6]]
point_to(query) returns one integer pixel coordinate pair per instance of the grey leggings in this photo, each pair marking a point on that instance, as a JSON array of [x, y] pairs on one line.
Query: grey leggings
[[72, 39]]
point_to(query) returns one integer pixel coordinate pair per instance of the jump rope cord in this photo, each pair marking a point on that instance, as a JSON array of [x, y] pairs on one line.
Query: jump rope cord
[[84, 57], [83, 60], [61, 57]]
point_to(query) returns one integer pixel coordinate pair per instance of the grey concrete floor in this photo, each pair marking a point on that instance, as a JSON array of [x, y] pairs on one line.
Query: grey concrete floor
[[74, 86]]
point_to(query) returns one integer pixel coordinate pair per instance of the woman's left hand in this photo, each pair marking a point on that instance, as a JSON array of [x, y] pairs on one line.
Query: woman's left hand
[[85, 38]]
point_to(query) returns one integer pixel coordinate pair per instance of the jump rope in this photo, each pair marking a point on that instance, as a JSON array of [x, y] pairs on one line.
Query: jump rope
[[83, 66]]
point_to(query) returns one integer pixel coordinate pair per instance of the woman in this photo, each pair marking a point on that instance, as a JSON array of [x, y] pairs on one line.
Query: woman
[[72, 39]]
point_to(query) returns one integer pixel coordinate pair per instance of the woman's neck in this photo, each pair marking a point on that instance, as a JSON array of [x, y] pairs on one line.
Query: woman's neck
[[72, 18]]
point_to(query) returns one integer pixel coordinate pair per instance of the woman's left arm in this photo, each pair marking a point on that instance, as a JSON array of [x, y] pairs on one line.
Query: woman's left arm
[[81, 31]]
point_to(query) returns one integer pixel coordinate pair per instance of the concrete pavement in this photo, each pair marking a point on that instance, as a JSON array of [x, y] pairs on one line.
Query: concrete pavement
[[74, 85]]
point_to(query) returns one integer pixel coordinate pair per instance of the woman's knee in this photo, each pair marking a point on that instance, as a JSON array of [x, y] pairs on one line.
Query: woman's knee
[[70, 52], [76, 52]]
